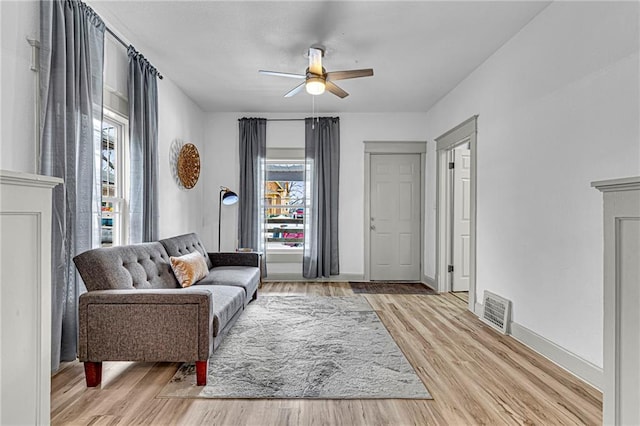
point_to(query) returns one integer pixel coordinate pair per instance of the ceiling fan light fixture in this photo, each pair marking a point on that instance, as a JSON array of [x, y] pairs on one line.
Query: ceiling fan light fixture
[[315, 86], [316, 79]]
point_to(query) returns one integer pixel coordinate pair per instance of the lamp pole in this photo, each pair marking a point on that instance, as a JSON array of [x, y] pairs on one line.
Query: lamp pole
[[219, 212]]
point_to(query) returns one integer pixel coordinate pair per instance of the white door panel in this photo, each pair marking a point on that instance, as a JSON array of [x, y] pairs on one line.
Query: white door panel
[[461, 219], [395, 217]]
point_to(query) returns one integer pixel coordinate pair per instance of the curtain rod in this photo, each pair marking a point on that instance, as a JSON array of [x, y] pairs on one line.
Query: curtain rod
[[124, 44], [285, 119]]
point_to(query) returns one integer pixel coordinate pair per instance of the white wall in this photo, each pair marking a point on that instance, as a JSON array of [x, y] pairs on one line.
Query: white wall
[[558, 108], [17, 86], [222, 169], [179, 118]]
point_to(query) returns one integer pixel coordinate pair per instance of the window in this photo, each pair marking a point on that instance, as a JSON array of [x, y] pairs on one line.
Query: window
[[284, 206], [114, 180]]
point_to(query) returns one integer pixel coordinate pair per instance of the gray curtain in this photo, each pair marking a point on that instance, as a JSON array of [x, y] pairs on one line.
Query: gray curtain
[[253, 152], [322, 175], [71, 60], [143, 143]]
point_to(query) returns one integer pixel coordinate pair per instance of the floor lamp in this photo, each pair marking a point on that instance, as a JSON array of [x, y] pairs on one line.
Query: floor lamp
[[228, 198]]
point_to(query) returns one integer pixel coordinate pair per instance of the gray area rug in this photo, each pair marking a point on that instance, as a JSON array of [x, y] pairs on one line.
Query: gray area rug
[[304, 347]]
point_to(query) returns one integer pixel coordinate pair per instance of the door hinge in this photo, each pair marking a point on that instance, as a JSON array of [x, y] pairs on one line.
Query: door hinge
[[452, 165], [450, 268]]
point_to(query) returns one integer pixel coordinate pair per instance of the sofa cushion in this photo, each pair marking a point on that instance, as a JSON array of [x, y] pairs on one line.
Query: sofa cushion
[[238, 276], [185, 244], [138, 266], [227, 301], [189, 268]]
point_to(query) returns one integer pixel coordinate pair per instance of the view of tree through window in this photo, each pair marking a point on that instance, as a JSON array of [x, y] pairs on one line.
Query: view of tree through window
[[284, 205]]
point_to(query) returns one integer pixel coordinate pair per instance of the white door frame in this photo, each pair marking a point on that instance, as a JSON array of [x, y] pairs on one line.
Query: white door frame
[[391, 147], [463, 133]]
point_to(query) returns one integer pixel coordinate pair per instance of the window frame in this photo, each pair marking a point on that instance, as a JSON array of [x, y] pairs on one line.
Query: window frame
[[283, 156], [120, 200]]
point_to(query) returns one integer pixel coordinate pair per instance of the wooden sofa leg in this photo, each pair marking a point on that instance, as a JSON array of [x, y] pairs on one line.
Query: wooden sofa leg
[[201, 372], [93, 373], [255, 296]]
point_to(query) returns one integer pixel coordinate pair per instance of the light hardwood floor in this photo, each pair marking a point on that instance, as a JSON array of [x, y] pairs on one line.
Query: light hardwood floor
[[475, 376], [462, 295]]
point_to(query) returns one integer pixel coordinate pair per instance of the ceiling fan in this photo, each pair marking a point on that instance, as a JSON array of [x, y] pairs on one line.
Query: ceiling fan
[[317, 79]]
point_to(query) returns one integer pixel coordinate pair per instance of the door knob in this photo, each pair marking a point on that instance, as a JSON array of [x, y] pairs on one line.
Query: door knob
[[373, 227]]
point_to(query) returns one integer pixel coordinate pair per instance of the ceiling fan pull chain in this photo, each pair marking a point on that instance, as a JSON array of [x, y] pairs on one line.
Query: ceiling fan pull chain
[[313, 112]]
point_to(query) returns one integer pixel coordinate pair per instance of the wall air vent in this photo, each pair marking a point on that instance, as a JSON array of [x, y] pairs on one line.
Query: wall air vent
[[496, 311]]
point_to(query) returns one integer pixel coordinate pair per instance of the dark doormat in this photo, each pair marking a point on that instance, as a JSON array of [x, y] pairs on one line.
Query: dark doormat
[[389, 287]]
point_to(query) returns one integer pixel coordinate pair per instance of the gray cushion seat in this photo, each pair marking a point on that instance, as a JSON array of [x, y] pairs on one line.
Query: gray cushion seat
[[227, 301], [247, 278]]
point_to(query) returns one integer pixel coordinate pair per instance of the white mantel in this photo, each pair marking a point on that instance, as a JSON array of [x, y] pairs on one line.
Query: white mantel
[[617, 185], [621, 398], [25, 297]]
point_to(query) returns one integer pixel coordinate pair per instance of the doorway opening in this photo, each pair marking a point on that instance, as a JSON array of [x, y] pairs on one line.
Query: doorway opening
[[456, 211]]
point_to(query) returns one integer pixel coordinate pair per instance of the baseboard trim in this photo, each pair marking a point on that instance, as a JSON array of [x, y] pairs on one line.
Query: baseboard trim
[[478, 309], [571, 362], [574, 364]]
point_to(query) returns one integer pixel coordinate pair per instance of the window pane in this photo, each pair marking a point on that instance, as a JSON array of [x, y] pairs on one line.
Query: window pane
[[284, 206], [108, 213], [109, 160], [112, 220]]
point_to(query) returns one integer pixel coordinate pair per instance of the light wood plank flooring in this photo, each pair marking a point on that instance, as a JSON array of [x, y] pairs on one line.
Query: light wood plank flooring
[[462, 295], [475, 375]]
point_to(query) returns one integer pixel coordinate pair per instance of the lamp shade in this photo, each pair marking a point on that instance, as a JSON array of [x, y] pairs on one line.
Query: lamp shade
[[229, 197]]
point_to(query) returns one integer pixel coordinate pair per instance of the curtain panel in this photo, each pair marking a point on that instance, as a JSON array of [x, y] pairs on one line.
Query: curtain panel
[[71, 63], [322, 176], [143, 149], [253, 153]]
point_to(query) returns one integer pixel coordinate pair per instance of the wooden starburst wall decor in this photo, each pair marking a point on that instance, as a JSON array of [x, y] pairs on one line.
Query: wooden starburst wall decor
[[188, 165]]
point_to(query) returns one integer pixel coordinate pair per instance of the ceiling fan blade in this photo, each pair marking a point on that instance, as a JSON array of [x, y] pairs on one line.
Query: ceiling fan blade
[[295, 90], [282, 74], [315, 60], [343, 75], [331, 87]]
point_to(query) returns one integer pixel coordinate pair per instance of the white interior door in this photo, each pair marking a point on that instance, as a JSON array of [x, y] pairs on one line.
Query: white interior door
[[395, 217], [461, 219]]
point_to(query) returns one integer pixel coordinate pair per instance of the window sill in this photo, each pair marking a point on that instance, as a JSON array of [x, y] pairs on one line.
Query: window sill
[[284, 256]]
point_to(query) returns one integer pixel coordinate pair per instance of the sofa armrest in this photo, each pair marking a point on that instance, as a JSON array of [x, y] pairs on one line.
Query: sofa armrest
[[147, 296], [145, 325], [235, 259]]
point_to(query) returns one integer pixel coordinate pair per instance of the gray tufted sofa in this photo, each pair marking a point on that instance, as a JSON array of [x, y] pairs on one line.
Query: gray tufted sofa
[[135, 310]]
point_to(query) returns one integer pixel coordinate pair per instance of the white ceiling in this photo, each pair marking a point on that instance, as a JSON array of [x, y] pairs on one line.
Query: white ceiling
[[419, 50]]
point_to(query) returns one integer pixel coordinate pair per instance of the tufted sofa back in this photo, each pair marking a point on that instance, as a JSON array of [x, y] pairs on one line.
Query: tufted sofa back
[[137, 266], [185, 244]]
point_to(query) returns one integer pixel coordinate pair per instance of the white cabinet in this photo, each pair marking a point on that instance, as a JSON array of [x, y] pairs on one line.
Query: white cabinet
[[621, 399], [25, 298]]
